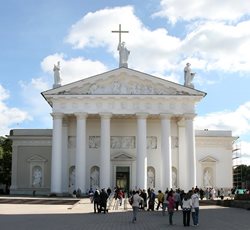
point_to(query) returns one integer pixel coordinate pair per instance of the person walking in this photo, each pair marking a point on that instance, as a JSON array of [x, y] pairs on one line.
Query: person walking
[[171, 205], [151, 200], [97, 200], [177, 199], [165, 203], [186, 209], [103, 201], [195, 207], [143, 194], [160, 198], [135, 201]]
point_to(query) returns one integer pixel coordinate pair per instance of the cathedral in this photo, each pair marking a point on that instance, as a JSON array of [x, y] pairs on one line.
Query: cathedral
[[120, 128]]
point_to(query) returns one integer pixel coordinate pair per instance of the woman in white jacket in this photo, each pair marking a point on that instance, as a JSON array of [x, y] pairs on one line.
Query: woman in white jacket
[[136, 204], [186, 209]]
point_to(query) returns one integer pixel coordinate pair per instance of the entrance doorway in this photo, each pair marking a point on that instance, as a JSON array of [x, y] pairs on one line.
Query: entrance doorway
[[122, 178]]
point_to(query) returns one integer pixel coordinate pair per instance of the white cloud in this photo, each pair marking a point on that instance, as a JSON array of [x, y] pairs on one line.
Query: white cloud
[[229, 10], [94, 29], [151, 50], [73, 69], [34, 103], [9, 116], [238, 121], [218, 46], [243, 153], [208, 45]]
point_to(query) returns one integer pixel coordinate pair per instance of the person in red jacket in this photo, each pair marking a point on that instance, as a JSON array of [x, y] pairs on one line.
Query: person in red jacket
[[171, 205]]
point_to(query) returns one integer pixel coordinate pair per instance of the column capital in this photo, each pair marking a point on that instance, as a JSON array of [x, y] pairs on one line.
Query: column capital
[[166, 115], [57, 115], [141, 115], [181, 122], [189, 116], [105, 115], [80, 115]]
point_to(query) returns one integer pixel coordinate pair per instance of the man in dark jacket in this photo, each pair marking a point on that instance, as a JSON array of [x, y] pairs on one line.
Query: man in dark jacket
[[103, 200], [97, 200]]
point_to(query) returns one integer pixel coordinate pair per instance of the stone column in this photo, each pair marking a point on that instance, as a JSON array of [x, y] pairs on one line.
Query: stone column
[[190, 137], [65, 166], [141, 153], [80, 164], [56, 159], [183, 176], [105, 150], [166, 153]]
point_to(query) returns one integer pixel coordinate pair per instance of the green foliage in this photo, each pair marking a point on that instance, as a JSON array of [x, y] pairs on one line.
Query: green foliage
[[243, 174], [5, 160]]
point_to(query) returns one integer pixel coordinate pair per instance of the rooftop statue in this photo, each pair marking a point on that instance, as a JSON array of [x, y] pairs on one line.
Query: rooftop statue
[[57, 78], [123, 53], [188, 76]]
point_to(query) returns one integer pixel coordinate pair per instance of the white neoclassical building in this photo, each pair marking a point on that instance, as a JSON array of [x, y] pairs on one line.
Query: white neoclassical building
[[120, 128]]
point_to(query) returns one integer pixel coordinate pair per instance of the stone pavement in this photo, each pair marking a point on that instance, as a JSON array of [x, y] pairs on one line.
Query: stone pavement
[[80, 216]]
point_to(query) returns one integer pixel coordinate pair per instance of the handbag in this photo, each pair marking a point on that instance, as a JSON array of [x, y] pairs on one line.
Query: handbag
[[131, 200]]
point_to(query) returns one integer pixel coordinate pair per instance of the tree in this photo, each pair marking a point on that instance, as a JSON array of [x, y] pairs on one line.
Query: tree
[[5, 162], [242, 175]]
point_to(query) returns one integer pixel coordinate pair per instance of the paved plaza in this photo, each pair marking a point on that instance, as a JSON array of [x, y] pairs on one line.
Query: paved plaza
[[80, 216]]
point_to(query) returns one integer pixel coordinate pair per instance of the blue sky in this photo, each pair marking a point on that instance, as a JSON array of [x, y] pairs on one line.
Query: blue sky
[[163, 36]]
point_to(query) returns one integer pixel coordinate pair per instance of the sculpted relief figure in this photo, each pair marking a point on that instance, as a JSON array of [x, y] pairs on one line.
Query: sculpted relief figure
[[151, 178], [115, 142], [94, 142], [123, 53], [94, 178], [72, 178], [174, 179], [37, 177], [207, 179], [116, 87], [152, 142], [188, 76]]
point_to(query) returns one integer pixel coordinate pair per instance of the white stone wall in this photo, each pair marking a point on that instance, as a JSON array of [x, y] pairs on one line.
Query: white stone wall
[[213, 152]]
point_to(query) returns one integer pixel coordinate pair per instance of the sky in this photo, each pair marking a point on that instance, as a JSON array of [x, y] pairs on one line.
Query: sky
[[164, 35]]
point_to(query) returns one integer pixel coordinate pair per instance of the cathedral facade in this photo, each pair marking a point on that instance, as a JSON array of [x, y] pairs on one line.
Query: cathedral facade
[[121, 128]]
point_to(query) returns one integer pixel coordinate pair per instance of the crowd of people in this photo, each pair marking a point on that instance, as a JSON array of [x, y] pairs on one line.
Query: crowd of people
[[100, 198], [169, 201]]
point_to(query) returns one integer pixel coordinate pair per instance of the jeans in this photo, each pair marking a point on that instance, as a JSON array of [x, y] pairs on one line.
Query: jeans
[[195, 216], [135, 211], [170, 215], [164, 206], [186, 217]]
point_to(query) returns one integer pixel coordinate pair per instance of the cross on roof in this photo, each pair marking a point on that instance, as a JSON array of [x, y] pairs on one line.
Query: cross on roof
[[120, 31]]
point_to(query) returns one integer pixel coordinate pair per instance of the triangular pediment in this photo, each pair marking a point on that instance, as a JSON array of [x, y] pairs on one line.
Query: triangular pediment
[[121, 156], [209, 159], [36, 158], [123, 81]]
